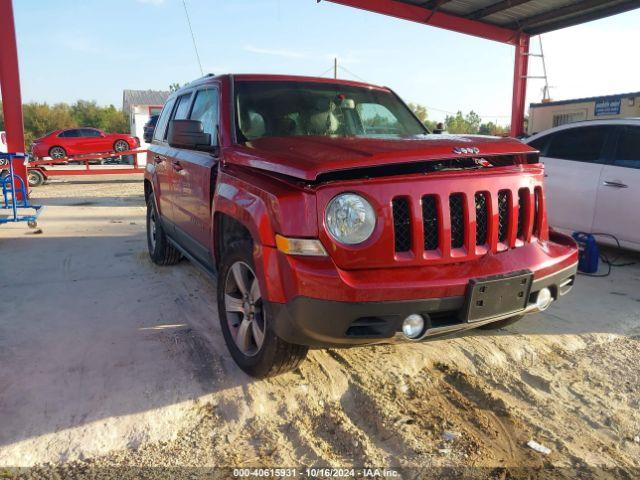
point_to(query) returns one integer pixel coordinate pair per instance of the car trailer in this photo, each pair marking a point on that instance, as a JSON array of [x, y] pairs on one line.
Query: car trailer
[[39, 171], [15, 197]]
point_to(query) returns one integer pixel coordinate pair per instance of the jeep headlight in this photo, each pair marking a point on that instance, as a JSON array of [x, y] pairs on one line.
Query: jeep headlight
[[350, 219]]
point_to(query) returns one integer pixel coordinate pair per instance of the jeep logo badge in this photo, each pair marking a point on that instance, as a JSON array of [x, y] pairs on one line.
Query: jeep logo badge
[[466, 151]]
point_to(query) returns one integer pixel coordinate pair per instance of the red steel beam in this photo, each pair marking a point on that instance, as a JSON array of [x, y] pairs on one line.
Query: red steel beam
[[434, 18], [520, 70], [10, 87]]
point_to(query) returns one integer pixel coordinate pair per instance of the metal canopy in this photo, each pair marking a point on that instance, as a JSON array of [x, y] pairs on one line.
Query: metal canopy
[[507, 21], [529, 16], [499, 20]]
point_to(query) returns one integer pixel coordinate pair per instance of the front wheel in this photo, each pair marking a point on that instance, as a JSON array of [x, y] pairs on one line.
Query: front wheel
[[161, 251], [120, 146], [245, 321]]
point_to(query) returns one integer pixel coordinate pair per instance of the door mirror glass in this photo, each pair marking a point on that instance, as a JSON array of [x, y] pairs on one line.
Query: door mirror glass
[[189, 134]]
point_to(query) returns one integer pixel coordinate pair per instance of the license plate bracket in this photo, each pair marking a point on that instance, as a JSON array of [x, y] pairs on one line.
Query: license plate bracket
[[499, 295]]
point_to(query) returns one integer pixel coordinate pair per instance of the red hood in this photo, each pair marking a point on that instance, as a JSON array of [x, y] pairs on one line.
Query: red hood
[[306, 157]]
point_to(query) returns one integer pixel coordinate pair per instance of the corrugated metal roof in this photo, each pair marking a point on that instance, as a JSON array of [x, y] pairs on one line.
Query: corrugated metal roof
[[143, 97], [529, 16]]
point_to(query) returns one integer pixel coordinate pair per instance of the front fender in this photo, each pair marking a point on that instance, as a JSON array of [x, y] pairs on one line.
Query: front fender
[[265, 206]]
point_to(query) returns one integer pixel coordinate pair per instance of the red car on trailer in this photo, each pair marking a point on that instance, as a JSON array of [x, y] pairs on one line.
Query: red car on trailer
[[77, 141]]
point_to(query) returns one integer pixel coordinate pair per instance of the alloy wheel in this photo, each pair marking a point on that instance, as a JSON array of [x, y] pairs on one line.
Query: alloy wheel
[[57, 152], [152, 230], [244, 309]]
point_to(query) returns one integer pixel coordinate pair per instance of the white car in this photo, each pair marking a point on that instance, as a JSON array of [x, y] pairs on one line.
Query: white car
[[593, 178]]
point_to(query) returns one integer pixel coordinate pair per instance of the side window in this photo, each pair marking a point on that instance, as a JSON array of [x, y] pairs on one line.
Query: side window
[[161, 126], [541, 143], [182, 110], [90, 132], [205, 109], [74, 133], [582, 144], [628, 150]]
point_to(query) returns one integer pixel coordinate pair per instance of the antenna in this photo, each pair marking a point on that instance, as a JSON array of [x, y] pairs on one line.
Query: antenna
[[193, 37], [546, 97]]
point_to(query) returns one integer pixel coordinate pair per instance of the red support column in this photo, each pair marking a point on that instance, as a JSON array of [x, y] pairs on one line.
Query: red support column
[[10, 87], [520, 70]]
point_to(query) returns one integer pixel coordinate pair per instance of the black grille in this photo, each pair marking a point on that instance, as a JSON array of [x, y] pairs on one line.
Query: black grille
[[402, 224], [456, 206], [430, 222], [503, 215], [482, 218], [523, 193]]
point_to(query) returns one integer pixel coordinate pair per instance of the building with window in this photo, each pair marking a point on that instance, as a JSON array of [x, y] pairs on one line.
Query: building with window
[[543, 116], [139, 106]]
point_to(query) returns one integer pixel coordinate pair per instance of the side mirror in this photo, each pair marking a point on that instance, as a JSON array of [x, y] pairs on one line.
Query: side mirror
[[189, 134]]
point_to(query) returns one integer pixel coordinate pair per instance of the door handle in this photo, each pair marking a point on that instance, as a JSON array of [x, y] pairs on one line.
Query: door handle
[[177, 166], [158, 159], [608, 183]]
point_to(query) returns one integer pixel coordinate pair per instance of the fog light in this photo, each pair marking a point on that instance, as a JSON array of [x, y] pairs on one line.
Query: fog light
[[544, 299], [413, 325]]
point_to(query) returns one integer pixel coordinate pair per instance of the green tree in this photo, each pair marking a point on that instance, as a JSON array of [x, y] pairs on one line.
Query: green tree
[[420, 111], [491, 128], [459, 123]]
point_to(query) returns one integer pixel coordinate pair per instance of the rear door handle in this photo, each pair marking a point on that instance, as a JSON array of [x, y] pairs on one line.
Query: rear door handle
[[608, 183], [177, 166]]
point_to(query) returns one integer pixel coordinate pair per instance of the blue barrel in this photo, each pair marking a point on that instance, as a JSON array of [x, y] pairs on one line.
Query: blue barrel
[[589, 254]]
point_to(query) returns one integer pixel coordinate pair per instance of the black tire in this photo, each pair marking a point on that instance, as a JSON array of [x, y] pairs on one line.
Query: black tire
[[274, 356], [161, 251], [502, 323], [35, 178], [57, 152], [121, 146]]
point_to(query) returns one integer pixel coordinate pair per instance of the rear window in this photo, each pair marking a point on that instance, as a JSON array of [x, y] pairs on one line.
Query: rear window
[[583, 144]]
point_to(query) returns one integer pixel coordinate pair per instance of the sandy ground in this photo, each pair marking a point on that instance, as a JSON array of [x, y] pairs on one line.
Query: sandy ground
[[106, 359]]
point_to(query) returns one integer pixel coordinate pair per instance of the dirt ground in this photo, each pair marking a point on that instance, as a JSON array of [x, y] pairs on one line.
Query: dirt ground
[[107, 360]]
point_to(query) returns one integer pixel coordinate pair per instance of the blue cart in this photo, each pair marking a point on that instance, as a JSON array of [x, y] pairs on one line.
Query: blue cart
[[12, 188]]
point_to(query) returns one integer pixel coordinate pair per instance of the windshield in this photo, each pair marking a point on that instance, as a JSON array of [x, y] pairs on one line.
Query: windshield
[[284, 109]]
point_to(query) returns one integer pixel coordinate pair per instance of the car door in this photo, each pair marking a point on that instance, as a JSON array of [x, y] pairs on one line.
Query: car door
[[573, 160], [158, 159], [619, 190], [92, 141], [173, 166], [194, 168], [69, 140]]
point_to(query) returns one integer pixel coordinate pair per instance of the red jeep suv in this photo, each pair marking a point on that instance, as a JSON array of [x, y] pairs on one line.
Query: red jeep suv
[[331, 217]]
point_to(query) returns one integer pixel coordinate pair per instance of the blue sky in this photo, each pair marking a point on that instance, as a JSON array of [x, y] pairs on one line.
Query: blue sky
[[94, 49]]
